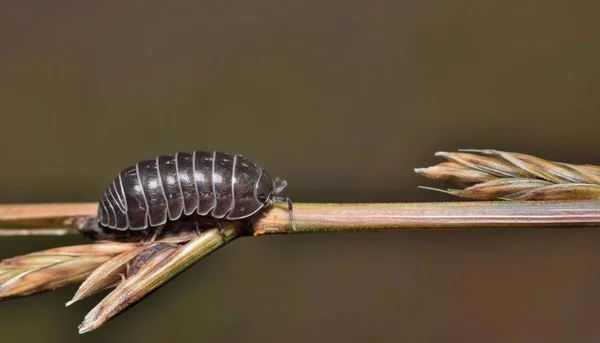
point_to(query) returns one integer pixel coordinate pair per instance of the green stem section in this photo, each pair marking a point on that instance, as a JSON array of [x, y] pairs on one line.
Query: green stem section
[[439, 215]]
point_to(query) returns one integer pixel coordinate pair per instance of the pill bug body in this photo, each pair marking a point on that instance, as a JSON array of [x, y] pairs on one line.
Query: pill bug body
[[209, 184]]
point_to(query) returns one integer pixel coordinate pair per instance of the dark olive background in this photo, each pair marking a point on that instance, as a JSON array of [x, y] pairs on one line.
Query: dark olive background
[[343, 99]]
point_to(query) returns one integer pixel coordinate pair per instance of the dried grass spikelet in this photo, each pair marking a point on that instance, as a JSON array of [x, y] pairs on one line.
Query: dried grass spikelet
[[107, 275], [134, 270], [152, 268], [499, 175], [54, 268]]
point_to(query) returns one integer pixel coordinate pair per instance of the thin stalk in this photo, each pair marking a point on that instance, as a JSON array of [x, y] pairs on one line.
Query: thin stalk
[[435, 215], [43, 219], [38, 232], [327, 217]]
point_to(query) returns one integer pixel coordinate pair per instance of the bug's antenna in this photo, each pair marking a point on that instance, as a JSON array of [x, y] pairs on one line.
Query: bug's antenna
[[290, 209], [279, 185]]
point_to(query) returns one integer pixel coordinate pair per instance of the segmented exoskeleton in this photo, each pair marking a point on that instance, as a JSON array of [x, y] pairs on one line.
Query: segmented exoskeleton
[[217, 185]]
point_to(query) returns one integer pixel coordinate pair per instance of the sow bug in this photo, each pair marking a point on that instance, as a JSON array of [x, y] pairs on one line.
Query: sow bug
[[214, 185]]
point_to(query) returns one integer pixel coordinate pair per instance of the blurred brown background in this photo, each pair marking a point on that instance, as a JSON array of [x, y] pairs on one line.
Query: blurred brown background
[[343, 99]]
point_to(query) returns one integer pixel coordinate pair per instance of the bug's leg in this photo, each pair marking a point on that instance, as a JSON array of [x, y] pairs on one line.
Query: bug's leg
[[290, 210], [221, 228], [144, 240], [197, 228], [157, 233]]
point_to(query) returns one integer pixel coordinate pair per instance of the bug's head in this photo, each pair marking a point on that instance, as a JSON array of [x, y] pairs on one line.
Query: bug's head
[[266, 188], [267, 192]]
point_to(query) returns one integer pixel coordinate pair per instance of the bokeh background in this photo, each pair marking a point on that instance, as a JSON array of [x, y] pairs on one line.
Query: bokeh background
[[341, 98]]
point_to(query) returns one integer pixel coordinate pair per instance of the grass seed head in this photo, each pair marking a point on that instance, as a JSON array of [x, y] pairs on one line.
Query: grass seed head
[[53, 268], [500, 175]]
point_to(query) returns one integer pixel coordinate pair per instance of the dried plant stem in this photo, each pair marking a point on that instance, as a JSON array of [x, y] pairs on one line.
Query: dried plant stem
[[401, 216], [326, 217], [43, 219], [38, 232]]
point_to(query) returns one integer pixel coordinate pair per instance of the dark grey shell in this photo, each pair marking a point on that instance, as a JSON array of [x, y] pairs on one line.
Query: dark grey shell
[[216, 184]]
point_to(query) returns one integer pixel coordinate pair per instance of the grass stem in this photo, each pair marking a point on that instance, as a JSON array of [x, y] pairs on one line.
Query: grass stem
[[435, 215], [327, 217]]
